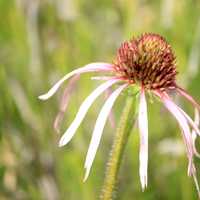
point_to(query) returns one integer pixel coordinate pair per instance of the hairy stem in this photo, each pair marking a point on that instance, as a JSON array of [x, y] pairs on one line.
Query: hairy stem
[[118, 146]]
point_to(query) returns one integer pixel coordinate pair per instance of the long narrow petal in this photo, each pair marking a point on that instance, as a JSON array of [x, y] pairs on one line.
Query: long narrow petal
[[196, 117], [65, 101], [143, 128], [87, 68], [194, 134], [191, 122], [188, 97], [194, 124], [98, 129], [170, 105], [83, 111], [104, 78]]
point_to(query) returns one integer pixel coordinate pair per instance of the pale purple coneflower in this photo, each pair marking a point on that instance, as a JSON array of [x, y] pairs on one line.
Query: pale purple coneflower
[[148, 62]]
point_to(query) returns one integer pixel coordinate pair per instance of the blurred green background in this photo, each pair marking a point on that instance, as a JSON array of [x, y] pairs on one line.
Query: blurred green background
[[40, 41]]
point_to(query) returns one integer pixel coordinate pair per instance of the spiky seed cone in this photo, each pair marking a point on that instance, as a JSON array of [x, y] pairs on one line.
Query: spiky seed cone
[[147, 60]]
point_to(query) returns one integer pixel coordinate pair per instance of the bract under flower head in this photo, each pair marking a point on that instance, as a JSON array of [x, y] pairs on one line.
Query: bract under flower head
[[147, 60]]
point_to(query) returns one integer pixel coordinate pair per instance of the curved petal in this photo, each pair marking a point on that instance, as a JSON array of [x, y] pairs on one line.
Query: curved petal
[[83, 111], [188, 97], [104, 78], [191, 122], [87, 68], [64, 102], [98, 129], [143, 128], [196, 117], [172, 107], [194, 125], [194, 134]]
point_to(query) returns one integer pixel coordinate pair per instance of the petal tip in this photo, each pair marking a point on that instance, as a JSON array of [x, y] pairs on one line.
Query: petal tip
[[61, 143], [86, 175], [43, 97], [144, 186]]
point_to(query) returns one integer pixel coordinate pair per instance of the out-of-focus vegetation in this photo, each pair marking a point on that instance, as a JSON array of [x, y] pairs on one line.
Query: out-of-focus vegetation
[[40, 41]]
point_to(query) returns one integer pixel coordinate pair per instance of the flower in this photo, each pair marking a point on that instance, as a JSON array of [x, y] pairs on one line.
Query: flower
[[148, 62]]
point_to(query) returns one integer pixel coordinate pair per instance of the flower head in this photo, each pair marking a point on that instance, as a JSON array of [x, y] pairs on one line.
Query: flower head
[[148, 62]]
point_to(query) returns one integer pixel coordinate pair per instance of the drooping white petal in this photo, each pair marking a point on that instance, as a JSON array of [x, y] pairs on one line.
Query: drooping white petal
[[87, 68], [170, 105], [98, 129], [194, 124], [101, 78], [191, 122], [194, 134], [188, 97], [196, 117], [143, 129], [83, 110], [65, 101], [196, 120], [191, 167]]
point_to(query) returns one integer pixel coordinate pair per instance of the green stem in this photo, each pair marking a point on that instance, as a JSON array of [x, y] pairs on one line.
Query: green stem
[[119, 143]]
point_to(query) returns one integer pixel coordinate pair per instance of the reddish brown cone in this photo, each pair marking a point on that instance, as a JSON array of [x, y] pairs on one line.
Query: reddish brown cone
[[147, 60]]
